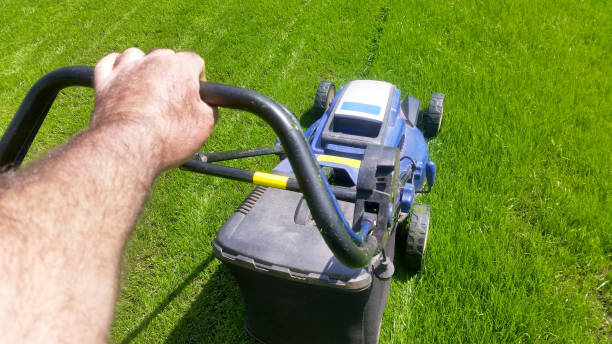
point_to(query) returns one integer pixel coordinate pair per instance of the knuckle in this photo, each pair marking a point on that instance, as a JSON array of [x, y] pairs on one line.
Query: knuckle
[[191, 55], [160, 51], [133, 51]]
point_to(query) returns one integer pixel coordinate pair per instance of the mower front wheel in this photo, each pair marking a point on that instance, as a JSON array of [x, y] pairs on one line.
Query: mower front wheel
[[324, 97], [416, 239]]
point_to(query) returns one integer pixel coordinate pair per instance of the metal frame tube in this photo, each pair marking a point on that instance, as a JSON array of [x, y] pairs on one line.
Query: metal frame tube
[[30, 115], [341, 193], [238, 154]]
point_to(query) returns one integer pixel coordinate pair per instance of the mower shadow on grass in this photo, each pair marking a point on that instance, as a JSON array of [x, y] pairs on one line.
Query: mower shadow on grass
[[216, 316], [208, 315], [160, 308], [308, 117], [403, 274]]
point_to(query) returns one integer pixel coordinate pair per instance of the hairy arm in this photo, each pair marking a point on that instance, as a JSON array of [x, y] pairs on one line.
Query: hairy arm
[[65, 219]]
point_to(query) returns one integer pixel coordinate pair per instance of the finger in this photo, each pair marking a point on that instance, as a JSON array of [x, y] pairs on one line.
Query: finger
[[160, 52], [103, 69], [128, 56], [209, 114], [193, 62]]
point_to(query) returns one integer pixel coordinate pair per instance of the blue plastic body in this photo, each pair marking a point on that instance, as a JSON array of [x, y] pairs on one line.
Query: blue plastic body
[[398, 130]]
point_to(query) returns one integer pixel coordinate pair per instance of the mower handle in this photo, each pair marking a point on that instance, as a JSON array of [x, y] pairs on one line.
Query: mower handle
[[31, 113]]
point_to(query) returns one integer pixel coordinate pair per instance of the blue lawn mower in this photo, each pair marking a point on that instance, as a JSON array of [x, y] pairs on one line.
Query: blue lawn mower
[[312, 247]]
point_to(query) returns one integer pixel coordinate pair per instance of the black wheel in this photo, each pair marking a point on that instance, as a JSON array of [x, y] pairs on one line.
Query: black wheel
[[323, 98], [432, 119], [416, 239]]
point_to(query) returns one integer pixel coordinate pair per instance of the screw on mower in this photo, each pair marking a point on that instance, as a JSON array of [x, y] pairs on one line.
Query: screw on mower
[[312, 247]]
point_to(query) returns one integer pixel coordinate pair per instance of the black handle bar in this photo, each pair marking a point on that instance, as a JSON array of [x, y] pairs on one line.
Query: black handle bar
[[34, 108]]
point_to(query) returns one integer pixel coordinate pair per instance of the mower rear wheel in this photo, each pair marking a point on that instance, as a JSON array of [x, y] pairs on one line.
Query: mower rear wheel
[[323, 99], [416, 239], [432, 119]]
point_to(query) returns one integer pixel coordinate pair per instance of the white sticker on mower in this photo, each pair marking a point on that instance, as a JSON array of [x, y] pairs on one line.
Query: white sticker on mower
[[365, 99]]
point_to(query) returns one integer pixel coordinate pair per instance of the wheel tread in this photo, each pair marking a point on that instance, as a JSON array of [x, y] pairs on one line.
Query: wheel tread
[[416, 239]]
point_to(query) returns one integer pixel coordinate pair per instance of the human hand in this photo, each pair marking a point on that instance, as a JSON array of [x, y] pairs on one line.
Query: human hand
[[155, 97]]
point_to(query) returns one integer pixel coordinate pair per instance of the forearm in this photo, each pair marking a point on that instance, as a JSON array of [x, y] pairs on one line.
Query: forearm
[[65, 222]]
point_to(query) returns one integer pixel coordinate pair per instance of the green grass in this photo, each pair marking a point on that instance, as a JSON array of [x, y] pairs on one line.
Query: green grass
[[521, 240]]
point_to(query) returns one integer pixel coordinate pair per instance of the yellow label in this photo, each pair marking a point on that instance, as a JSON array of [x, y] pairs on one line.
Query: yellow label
[[340, 160], [268, 179]]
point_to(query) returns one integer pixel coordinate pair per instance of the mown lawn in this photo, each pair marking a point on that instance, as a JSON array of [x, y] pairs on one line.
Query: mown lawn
[[520, 249]]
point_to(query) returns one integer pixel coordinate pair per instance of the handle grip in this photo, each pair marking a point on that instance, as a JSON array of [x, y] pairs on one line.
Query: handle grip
[[34, 108]]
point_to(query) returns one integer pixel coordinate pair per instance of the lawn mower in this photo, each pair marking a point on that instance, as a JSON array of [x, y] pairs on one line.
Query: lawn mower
[[312, 247]]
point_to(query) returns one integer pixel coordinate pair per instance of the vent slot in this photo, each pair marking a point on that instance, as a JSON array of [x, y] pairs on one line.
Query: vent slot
[[249, 202]]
